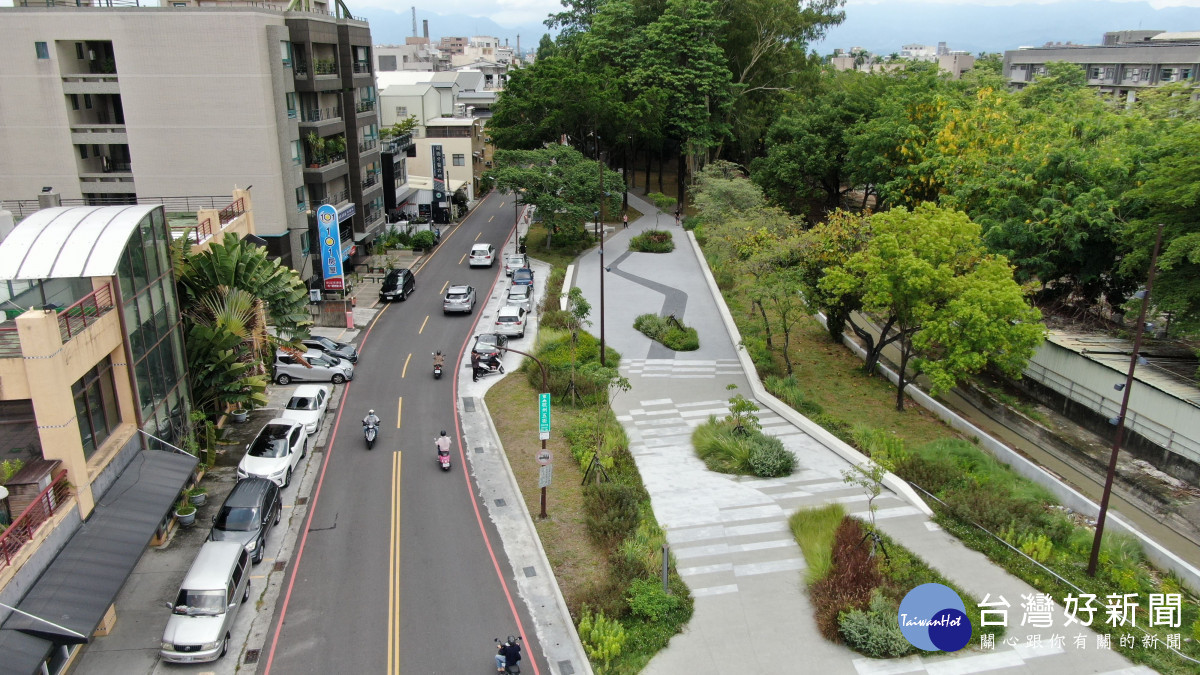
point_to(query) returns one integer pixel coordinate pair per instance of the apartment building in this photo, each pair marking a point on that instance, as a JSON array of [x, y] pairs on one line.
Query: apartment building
[[1125, 62], [442, 119], [124, 104], [415, 54], [453, 45], [94, 399]]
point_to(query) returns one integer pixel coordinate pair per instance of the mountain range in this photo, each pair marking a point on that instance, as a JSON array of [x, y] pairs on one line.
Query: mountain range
[[883, 27]]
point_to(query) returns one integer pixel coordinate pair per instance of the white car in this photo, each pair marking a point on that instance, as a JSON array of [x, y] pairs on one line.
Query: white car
[[275, 452], [482, 255], [520, 296], [321, 367], [307, 406], [514, 261], [510, 321]]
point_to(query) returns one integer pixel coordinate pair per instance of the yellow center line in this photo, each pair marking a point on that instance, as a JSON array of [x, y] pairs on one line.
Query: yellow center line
[[404, 371], [399, 410], [479, 235], [393, 657], [460, 260], [423, 325], [443, 291], [501, 203]]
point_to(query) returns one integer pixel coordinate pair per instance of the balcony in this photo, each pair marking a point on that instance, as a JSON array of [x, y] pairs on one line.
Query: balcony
[[329, 114], [75, 319], [332, 199], [99, 134], [367, 144], [300, 69], [365, 106], [397, 144], [325, 67], [372, 215], [372, 178], [362, 67], [55, 497], [87, 83]]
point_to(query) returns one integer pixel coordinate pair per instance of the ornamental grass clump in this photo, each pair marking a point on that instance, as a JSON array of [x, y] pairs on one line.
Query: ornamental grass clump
[[652, 241], [669, 331]]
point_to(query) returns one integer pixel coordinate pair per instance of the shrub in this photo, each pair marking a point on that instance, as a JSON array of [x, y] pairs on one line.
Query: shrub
[[554, 350], [787, 389], [422, 241], [761, 355], [876, 631], [836, 427], [851, 579], [602, 638], [611, 511], [640, 554], [668, 331], [648, 601], [554, 286], [769, 459], [814, 529], [652, 241], [555, 318]]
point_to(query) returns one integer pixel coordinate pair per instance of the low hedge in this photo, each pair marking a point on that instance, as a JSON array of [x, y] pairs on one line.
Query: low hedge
[[554, 349], [669, 331], [652, 241], [748, 453]]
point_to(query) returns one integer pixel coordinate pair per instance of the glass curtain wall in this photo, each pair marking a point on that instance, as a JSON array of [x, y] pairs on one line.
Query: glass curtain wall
[[155, 333], [96, 406]]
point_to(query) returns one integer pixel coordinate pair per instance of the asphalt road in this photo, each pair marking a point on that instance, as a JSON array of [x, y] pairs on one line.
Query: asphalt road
[[395, 570]]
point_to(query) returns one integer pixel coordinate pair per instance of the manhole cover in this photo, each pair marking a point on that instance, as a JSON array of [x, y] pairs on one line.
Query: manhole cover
[[479, 450], [251, 656], [565, 668], [500, 502], [530, 572], [279, 565], [469, 404]]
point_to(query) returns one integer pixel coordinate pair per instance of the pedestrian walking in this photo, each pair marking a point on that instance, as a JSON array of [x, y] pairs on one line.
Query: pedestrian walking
[[625, 220], [678, 218]]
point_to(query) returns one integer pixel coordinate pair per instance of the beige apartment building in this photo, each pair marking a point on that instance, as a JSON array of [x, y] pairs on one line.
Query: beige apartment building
[[124, 105], [94, 399], [441, 120]]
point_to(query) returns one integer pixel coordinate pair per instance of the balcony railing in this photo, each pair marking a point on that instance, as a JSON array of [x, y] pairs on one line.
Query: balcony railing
[[75, 319], [10, 342], [365, 106], [23, 207], [109, 166], [325, 67], [362, 67], [370, 179], [319, 114], [231, 212], [320, 162], [373, 215], [332, 199], [53, 498], [367, 144], [300, 69]]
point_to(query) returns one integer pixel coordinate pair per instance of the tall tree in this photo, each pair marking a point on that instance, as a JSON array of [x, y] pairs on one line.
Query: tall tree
[[939, 295], [826, 246]]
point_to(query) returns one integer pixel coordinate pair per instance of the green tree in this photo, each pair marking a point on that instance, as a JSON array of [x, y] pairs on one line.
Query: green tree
[[826, 246], [939, 295], [561, 183]]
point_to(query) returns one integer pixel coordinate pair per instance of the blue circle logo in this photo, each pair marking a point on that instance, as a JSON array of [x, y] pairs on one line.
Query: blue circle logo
[[933, 618]]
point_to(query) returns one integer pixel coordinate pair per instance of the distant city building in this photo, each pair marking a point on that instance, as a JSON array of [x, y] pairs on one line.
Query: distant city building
[[454, 45], [1124, 63], [415, 54], [953, 62]]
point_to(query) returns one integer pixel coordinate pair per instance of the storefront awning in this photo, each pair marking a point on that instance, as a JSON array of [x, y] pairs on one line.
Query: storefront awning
[[77, 588]]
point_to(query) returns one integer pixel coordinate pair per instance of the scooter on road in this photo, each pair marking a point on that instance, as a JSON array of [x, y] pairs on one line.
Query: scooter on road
[[370, 431]]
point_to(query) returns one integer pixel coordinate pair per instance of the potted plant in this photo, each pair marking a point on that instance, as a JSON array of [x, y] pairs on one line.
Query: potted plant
[[335, 145], [185, 513], [239, 415], [316, 149], [198, 495]]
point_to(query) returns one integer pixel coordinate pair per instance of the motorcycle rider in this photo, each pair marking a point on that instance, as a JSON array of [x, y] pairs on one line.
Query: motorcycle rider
[[438, 360], [443, 443], [371, 419], [508, 654]]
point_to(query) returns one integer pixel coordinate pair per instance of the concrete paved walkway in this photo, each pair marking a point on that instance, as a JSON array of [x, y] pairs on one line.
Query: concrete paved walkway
[[729, 534]]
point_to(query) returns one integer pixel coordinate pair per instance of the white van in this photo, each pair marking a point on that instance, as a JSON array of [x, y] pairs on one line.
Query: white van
[[215, 588]]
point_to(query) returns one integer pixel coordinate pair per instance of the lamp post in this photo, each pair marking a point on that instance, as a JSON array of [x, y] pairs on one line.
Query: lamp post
[[516, 224], [1133, 361], [600, 232], [545, 390]]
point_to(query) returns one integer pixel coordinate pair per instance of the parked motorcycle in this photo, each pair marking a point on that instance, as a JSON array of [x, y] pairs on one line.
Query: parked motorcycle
[[438, 361], [483, 370], [370, 431]]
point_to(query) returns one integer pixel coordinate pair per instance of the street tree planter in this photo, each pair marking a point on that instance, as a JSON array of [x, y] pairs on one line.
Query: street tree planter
[[198, 496], [185, 513], [240, 415]]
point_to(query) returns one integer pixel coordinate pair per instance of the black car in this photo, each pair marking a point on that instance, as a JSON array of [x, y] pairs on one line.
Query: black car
[[342, 350], [398, 285], [487, 344], [252, 508]]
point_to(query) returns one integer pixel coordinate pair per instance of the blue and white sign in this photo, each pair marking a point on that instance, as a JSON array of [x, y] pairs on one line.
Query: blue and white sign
[[331, 247]]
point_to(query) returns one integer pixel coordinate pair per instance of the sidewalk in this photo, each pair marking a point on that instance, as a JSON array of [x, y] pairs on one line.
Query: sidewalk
[[729, 534]]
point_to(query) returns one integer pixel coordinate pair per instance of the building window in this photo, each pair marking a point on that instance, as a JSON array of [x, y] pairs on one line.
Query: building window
[[1185, 74], [296, 153], [1094, 72], [79, 50], [460, 160], [401, 112], [1166, 75], [87, 101], [285, 49], [291, 104], [43, 51], [300, 200], [74, 101], [96, 406], [83, 152]]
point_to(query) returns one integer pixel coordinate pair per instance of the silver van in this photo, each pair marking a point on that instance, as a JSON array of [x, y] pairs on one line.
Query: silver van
[[215, 588]]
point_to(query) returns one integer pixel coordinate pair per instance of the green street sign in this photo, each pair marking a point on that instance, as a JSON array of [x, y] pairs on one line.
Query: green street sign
[[544, 413]]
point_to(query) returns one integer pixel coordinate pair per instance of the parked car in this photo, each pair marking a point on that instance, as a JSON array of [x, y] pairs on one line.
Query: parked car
[[510, 321], [520, 296], [202, 616], [482, 255], [459, 299], [514, 261], [307, 406], [320, 368], [276, 452], [341, 350], [522, 277], [398, 285], [487, 344], [252, 508]]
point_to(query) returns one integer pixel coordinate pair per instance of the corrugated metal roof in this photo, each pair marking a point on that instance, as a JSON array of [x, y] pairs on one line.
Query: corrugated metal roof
[[1168, 368], [68, 242]]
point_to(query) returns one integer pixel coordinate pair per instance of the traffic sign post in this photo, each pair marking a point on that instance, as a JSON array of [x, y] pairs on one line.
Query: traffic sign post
[[544, 457], [544, 413]]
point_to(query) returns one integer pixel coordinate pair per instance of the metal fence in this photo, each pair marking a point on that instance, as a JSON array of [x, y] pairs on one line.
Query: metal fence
[[1108, 408], [21, 208]]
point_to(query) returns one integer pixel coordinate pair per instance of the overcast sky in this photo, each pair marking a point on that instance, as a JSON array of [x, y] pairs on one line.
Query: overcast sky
[[514, 12]]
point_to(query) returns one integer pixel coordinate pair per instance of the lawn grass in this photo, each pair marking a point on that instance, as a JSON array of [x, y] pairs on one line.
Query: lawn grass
[[578, 564]]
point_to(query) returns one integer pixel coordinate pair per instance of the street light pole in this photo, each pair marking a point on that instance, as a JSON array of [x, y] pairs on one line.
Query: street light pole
[[516, 223], [545, 390], [600, 231], [1133, 359]]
